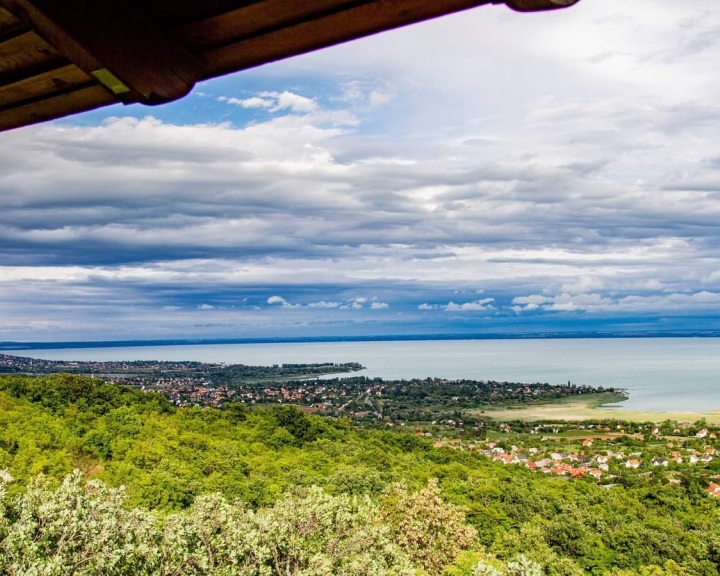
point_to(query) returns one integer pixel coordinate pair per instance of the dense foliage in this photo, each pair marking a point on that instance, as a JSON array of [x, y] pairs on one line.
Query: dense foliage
[[202, 484]]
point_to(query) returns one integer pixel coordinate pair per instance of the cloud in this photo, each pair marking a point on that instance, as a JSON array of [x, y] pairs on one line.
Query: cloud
[[274, 102], [529, 303], [593, 303], [279, 300], [584, 184], [253, 102], [476, 306], [324, 304], [483, 305]]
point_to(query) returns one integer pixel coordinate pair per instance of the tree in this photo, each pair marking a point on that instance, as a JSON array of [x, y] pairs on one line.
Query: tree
[[75, 530], [429, 530]]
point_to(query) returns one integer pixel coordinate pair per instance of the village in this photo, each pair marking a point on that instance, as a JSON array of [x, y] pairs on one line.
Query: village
[[609, 455]]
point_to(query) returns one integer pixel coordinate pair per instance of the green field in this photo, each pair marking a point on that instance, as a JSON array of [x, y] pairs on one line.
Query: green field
[[592, 407]]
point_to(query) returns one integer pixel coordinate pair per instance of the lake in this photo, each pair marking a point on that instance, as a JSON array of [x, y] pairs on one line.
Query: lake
[[661, 374]]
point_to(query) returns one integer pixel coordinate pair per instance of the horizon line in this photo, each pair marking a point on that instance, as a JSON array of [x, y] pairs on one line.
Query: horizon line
[[20, 345]]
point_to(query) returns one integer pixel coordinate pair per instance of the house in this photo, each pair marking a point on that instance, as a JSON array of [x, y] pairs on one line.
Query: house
[[634, 464], [604, 467], [714, 489], [660, 462], [702, 433], [595, 473], [587, 442], [602, 459], [706, 459]]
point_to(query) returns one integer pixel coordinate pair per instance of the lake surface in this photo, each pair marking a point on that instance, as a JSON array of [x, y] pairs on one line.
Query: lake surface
[[661, 374]]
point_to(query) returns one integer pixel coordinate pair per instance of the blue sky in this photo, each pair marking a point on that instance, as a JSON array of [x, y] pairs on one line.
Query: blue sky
[[484, 172]]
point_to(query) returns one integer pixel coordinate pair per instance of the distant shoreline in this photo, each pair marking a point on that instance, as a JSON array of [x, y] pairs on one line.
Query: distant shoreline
[[19, 346]]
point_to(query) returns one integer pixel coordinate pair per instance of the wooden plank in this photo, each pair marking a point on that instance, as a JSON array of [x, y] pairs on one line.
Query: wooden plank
[[176, 13], [25, 51], [46, 83], [57, 106], [336, 28], [8, 22], [256, 19], [114, 40]]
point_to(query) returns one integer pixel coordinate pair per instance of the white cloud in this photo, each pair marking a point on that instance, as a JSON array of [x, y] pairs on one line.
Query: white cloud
[[379, 305], [690, 303], [205, 307], [584, 283], [253, 102], [291, 101], [478, 305], [378, 98], [483, 305], [273, 300], [529, 303], [324, 304], [274, 102]]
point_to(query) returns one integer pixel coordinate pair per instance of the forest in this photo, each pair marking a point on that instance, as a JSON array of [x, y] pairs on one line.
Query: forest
[[99, 478]]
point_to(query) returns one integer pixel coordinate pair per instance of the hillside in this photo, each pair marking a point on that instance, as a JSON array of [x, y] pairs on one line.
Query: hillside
[[235, 491]]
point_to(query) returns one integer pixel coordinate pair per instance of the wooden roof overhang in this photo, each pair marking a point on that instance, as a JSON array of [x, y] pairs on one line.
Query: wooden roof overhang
[[61, 57]]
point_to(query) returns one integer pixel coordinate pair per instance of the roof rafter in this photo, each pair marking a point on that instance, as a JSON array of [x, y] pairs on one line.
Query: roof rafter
[[59, 58], [114, 41]]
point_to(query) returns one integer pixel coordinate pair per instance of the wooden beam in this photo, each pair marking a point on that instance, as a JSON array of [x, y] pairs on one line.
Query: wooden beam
[[56, 106], [42, 83], [8, 23], [355, 22], [539, 5], [256, 19], [25, 51], [132, 56]]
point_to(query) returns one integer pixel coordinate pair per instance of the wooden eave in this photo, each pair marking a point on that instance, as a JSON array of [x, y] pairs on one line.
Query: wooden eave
[[61, 58]]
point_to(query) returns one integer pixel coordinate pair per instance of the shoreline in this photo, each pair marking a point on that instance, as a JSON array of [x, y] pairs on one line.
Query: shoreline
[[575, 410]]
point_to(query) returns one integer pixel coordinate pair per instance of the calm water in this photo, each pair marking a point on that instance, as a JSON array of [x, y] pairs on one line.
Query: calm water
[[662, 374]]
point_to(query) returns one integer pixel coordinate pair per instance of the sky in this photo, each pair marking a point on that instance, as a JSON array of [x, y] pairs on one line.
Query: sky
[[486, 172]]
